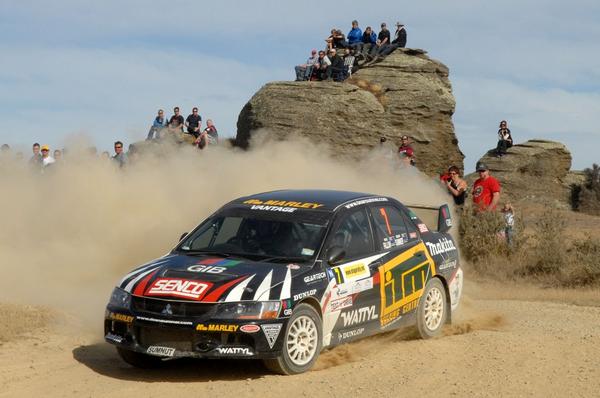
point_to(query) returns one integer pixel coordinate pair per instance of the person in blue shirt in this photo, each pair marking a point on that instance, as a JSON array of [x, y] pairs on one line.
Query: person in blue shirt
[[369, 39], [355, 35], [159, 123]]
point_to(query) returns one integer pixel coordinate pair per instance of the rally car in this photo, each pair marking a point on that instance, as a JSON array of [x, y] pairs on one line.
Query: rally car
[[282, 275]]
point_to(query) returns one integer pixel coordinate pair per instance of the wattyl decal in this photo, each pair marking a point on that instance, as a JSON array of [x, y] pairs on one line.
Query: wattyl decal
[[234, 351], [442, 246], [194, 290], [161, 351], [271, 332], [360, 315]]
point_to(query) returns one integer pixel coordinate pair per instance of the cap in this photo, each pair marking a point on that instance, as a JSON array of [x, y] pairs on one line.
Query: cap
[[383, 24], [45, 148], [313, 51], [399, 24], [481, 166]]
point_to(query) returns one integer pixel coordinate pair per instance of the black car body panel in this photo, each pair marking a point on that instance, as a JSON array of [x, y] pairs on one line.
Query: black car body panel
[[174, 305]]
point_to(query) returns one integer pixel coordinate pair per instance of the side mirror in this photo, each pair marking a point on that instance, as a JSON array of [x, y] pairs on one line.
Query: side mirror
[[183, 235], [335, 254]]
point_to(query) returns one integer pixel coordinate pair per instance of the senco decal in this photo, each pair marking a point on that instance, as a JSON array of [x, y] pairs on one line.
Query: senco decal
[[360, 315], [178, 288], [315, 277], [443, 245]]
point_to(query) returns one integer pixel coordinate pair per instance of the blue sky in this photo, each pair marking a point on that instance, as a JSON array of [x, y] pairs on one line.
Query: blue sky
[[104, 68]]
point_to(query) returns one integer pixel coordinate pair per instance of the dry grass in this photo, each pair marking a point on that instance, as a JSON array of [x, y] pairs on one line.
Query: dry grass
[[374, 88], [20, 320], [541, 253]]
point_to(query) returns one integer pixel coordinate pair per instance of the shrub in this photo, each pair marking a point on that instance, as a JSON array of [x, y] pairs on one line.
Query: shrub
[[586, 197]]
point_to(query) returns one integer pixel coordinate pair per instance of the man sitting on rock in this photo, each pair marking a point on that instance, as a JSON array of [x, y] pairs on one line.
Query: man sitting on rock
[[383, 41], [322, 66], [369, 39], [355, 35], [209, 136], [176, 121], [336, 40], [505, 140], [336, 70], [350, 63], [398, 42], [304, 71], [193, 123], [486, 189]]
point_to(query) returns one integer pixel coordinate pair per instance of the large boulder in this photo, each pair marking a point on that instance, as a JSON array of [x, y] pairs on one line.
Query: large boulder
[[406, 93], [534, 171]]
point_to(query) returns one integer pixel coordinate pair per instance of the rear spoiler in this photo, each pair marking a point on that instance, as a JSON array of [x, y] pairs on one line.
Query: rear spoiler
[[441, 216]]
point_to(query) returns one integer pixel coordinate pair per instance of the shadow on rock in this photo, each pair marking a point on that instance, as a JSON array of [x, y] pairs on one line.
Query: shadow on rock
[[103, 359]]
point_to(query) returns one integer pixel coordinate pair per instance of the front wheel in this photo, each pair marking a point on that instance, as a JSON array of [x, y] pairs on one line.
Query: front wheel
[[433, 309], [301, 344]]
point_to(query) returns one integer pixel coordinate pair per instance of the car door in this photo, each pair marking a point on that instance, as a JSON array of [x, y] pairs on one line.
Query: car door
[[353, 304], [406, 267]]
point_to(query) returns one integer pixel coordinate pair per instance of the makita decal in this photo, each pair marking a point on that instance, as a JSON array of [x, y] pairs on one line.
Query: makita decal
[[178, 288], [443, 245], [360, 315]]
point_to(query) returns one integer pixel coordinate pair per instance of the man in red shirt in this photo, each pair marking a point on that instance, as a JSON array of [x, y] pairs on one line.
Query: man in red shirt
[[486, 189], [406, 152]]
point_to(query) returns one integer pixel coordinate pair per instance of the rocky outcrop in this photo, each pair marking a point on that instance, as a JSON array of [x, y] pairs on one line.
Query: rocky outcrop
[[406, 93], [536, 171]]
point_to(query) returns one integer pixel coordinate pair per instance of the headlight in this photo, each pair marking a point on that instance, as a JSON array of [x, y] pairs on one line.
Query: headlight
[[120, 298], [249, 310]]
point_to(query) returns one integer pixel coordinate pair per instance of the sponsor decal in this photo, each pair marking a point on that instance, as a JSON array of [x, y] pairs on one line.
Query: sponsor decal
[[167, 321], [448, 222], [209, 269], [456, 288], [423, 228], [350, 334], [161, 351], [120, 317], [302, 295], [274, 208], [360, 315], [403, 280], [355, 271], [315, 277], [178, 288], [442, 246], [355, 287], [412, 235], [340, 304], [287, 312], [236, 351], [114, 337], [293, 266], [168, 310], [217, 327], [283, 203], [393, 241], [364, 201], [271, 332], [412, 214], [249, 328], [307, 251], [410, 306], [447, 264], [286, 306]]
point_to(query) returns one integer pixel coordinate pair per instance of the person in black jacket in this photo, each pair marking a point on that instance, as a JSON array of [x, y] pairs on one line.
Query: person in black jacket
[[505, 140], [398, 42], [336, 70], [383, 41]]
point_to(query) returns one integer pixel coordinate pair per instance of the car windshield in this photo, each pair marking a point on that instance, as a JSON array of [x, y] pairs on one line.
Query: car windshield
[[258, 236]]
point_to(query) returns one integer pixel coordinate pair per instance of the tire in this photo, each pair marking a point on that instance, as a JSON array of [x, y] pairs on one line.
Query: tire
[[138, 359], [433, 309], [302, 342]]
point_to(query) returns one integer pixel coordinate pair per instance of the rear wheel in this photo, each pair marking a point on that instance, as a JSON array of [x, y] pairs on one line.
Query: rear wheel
[[433, 309], [138, 359], [301, 344]]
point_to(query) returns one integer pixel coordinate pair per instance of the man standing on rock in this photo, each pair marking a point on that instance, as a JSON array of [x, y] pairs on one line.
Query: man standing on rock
[[486, 189]]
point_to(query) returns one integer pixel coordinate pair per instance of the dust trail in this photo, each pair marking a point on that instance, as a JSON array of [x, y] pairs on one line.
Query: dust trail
[[69, 234]]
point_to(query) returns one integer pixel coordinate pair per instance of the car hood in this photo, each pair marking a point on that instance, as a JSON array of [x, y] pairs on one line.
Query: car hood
[[212, 279]]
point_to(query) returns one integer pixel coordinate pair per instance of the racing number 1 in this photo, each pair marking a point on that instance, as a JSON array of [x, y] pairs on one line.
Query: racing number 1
[[338, 275]]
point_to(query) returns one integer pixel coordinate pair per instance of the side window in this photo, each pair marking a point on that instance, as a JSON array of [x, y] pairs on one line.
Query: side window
[[391, 228], [353, 234]]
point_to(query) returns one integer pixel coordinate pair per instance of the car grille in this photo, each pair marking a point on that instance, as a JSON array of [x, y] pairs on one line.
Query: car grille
[[175, 308]]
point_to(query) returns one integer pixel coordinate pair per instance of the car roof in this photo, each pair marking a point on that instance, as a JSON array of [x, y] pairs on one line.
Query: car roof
[[329, 199]]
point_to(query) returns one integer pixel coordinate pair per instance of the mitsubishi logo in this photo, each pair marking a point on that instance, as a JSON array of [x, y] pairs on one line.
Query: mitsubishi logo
[[167, 310]]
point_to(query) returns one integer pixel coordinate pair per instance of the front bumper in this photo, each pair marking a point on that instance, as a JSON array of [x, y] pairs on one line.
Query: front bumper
[[179, 337]]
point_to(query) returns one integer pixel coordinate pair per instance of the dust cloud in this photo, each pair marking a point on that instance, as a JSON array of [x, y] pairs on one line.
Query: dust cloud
[[70, 233]]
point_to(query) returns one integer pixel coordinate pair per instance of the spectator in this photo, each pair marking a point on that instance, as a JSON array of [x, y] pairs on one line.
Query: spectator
[[505, 140], [105, 155], [336, 70], [355, 35], [383, 41], [47, 160], [350, 62], [398, 42], [209, 136], [119, 157], [160, 122], [509, 223], [457, 187], [322, 65], [176, 121], [193, 123], [304, 71], [36, 159], [486, 189], [58, 156], [406, 152], [336, 40], [369, 39]]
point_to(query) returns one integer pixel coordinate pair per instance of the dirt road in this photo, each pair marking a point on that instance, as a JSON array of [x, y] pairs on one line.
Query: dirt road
[[531, 346]]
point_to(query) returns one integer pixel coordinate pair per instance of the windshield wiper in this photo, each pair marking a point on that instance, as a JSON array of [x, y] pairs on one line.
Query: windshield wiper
[[282, 259], [197, 252]]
